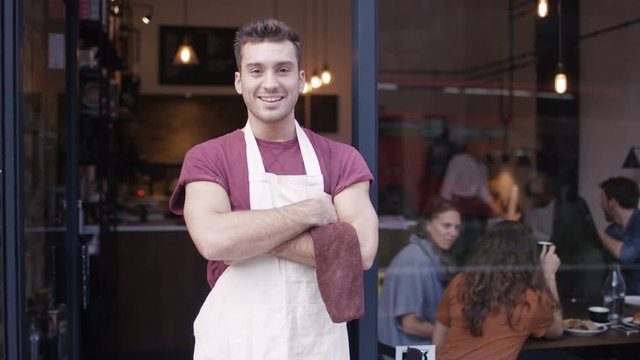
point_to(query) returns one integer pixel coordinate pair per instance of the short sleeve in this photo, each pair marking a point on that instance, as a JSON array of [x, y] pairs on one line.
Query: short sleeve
[[630, 251], [353, 169], [407, 290], [201, 163], [542, 317], [443, 314]]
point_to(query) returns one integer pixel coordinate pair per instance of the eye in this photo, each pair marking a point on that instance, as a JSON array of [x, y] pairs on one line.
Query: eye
[[284, 70], [255, 71]]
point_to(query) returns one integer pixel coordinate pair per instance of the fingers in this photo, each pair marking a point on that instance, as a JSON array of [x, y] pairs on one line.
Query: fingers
[[549, 259], [325, 212]]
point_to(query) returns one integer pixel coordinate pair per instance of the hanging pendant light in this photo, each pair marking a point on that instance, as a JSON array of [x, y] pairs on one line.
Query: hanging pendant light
[[326, 74], [185, 55], [543, 8], [631, 161], [316, 82], [560, 82]]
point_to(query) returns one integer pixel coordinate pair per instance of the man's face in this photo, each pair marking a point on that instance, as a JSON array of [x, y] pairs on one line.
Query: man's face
[[606, 207], [269, 80]]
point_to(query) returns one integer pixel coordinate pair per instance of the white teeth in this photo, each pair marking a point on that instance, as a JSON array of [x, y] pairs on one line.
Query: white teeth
[[271, 98]]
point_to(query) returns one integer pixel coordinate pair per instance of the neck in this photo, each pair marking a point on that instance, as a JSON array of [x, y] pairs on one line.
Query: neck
[[623, 216], [273, 131]]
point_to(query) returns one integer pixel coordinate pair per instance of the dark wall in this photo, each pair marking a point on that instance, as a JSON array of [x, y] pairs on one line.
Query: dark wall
[[558, 120], [164, 127]]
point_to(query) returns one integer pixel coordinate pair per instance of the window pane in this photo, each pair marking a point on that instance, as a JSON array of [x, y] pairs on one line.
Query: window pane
[[470, 110]]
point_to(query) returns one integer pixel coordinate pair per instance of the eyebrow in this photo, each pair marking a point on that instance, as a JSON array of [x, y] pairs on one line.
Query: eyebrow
[[282, 63]]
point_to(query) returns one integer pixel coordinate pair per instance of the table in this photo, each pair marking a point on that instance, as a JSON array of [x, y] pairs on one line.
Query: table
[[573, 308]]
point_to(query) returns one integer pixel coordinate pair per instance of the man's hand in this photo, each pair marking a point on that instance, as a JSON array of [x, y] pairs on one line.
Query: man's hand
[[352, 205], [320, 209]]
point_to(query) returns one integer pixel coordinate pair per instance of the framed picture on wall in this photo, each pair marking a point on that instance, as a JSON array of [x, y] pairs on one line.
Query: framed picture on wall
[[324, 113], [214, 51]]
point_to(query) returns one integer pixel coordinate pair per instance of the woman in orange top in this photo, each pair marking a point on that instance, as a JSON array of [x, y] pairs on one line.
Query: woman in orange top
[[508, 294]]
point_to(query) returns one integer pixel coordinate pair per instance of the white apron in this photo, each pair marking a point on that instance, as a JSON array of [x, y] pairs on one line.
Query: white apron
[[267, 308]]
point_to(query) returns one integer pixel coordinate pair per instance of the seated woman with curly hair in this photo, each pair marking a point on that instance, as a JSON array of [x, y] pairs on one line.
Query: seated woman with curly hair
[[508, 294]]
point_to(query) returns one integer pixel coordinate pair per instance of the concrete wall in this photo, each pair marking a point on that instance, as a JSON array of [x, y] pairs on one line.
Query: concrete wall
[[610, 84], [452, 36]]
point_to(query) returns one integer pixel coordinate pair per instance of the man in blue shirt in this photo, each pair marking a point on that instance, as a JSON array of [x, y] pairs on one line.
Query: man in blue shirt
[[619, 201]]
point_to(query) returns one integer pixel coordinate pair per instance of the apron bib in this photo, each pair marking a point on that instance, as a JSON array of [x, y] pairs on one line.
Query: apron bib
[[267, 308]]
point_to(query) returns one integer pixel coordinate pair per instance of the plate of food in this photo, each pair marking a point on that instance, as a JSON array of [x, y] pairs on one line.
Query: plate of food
[[633, 321], [582, 327], [632, 300]]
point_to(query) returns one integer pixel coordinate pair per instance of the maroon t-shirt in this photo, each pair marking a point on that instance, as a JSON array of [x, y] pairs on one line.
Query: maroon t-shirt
[[223, 160]]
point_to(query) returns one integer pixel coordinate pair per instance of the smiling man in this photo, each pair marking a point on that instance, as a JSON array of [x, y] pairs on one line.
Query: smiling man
[[261, 199]]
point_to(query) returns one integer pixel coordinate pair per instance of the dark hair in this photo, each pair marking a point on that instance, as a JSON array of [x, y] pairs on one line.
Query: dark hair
[[265, 30], [504, 266], [434, 207], [623, 190]]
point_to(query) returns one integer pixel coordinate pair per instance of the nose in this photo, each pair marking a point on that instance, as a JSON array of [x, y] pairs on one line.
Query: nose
[[270, 80]]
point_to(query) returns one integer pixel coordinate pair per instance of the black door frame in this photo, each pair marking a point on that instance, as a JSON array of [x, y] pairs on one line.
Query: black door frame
[[364, 83], [12, 221], [72, 182], [11, 181]]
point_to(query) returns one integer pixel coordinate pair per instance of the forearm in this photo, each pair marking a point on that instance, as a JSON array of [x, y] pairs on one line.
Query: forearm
[[299, 249], [557, 326], [413, 325], [440, 334], [612, 245], [354, 207], [495, 207], [238, 235]]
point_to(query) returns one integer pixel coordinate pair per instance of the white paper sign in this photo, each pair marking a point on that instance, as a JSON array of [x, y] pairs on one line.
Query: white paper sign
[[428, 351], [56, 51]]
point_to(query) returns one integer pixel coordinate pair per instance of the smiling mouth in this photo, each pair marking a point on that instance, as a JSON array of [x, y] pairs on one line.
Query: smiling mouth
[[271, 99]]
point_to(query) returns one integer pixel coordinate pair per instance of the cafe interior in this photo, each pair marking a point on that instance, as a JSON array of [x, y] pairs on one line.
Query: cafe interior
[[547, 87]]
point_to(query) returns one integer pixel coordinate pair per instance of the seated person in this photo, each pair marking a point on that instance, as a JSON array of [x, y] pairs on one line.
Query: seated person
[[417, 277], [619, 201], [508, 294], [563, 217]]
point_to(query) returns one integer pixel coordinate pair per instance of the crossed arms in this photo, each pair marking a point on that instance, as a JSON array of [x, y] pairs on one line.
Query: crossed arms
[[222, 234]]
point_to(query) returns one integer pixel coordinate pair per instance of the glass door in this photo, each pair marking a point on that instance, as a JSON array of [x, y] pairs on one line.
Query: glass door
[[49, 302]]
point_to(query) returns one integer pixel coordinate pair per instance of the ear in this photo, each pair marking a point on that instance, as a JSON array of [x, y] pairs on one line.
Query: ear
[[613, 203], [237, 83], [302, 78], [427, 225]]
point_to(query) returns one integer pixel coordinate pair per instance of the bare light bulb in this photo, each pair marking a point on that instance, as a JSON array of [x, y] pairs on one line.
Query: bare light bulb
[[185, 55], [146, 19], [326, 76], [560, 83], [315, 81], [543, 8], [307, 88]]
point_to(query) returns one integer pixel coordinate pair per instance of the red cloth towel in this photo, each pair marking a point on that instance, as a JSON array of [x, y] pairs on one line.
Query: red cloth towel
[[339, 270]]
